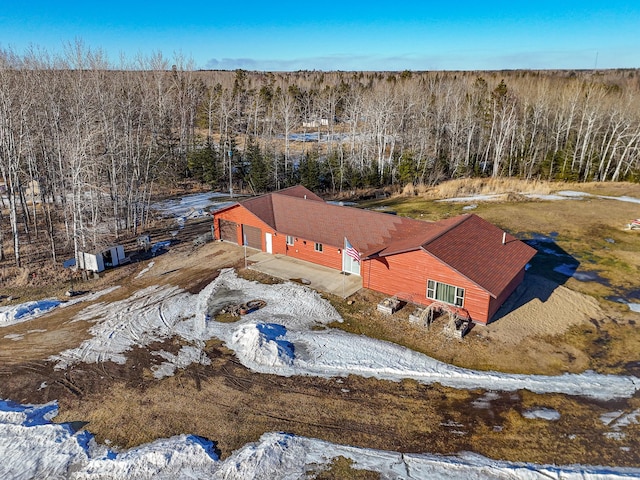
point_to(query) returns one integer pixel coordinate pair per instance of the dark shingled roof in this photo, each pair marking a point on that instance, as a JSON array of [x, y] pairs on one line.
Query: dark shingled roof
[[468, 244], [473, 247]]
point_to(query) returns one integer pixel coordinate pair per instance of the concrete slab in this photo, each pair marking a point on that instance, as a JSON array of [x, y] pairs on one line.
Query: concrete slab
[[320, 278]]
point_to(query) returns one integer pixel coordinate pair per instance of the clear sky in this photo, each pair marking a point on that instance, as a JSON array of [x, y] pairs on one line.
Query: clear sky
[[344, 35]]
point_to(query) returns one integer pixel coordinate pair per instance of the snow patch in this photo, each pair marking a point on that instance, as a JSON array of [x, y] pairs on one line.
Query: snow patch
[[149, 315], [262, 344], [145, 270], [187, 355], [280, 455], [31, 446], [14, 336], [562, 195], [279, 339], [485, 400], [542, 413], [23, 312], [186, 204]]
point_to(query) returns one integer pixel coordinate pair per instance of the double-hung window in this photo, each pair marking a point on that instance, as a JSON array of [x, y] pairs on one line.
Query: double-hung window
[[445, 293], [290, 240]]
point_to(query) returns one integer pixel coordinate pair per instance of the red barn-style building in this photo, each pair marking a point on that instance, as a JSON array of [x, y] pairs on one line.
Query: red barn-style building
[[464, 261]]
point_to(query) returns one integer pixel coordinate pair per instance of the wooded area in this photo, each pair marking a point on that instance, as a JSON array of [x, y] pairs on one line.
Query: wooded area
[[85, 144]]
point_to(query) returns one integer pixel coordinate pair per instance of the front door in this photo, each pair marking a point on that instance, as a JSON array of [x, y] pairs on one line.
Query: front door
[[268, 242]]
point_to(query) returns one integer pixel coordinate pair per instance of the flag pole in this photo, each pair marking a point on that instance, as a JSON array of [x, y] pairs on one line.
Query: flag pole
[[344, 273]]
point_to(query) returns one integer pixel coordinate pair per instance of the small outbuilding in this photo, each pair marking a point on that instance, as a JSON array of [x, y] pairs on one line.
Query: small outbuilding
[[99, 261], [465, 262]]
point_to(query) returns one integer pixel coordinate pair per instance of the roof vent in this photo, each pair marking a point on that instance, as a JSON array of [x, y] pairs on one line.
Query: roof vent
[[504, 238], [305, 196]]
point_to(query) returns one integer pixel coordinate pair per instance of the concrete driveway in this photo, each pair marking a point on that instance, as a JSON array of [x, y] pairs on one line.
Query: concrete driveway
[[320, 278]]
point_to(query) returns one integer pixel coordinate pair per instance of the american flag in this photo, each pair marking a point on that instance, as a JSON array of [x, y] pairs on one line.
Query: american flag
[[349, 250]]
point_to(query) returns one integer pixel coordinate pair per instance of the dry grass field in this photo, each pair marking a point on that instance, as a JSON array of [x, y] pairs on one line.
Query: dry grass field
[[555, 324]]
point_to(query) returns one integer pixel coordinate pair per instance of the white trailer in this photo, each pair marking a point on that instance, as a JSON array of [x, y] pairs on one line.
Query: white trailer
[[99, 261]]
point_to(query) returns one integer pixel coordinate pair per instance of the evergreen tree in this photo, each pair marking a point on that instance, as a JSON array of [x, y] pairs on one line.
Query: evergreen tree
[[310, 172], [203, 164], [258, 169]]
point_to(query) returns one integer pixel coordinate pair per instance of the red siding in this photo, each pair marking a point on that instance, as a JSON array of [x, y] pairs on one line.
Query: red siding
[[305, 250], [406, 275], [241, 216], [496, 303]]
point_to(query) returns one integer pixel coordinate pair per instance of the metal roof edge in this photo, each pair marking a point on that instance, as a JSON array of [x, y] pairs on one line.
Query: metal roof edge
[[227, 207]]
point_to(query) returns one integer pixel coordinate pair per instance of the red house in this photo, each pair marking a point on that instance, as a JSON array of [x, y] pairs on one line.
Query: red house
[[464, 261]]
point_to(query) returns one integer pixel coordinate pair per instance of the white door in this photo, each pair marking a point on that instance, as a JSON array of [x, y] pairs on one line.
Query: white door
[[268, 242], [349, 264]]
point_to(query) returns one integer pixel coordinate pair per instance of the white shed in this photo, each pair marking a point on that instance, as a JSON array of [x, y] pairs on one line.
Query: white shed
[[97, 262]]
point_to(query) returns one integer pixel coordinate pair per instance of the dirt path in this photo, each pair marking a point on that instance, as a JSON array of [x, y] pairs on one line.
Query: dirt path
[[187, 267]]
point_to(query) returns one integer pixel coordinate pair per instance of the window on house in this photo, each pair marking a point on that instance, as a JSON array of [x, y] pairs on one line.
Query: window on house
[[318, 247], [290, 240], [445, 293]]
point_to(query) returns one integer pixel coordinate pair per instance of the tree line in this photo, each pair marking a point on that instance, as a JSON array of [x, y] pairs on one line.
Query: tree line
[[99, 139]]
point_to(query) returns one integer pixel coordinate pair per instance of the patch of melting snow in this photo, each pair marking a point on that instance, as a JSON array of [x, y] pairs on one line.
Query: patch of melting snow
[[149, 315], [618, 420], [573, 193], [13, 314], [23, 312], [145, 270], [562, 195], [262, 344], [187, 355], [485, 400], [542, 413], [182, 206], [570, 270], [473, 198], [31, 446], [633, 307], [14, 336], [157, 313]]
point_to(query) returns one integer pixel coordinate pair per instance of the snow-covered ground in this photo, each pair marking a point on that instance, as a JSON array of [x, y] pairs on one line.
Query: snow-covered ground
[[23, 312], [288, 336], [31, 446], [278, 339], [562, 195], [190, 206]]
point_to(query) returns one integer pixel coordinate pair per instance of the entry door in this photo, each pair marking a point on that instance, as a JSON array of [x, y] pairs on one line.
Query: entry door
[[350, 265], [268, 242]]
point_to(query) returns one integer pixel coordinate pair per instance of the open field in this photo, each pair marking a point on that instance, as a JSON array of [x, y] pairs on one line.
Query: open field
[[556, 324]]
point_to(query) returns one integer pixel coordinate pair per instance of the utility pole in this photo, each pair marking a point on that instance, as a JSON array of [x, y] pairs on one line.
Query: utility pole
[[230, 175]]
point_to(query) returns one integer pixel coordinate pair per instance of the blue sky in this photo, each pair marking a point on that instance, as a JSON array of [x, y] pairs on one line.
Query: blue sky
[[347, 35]]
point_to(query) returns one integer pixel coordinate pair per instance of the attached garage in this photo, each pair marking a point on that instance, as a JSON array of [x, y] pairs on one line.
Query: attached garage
[[229, 231], [252, 236]]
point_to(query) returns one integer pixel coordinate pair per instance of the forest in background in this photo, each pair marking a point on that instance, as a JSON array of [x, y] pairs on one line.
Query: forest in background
[[85, 144]]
